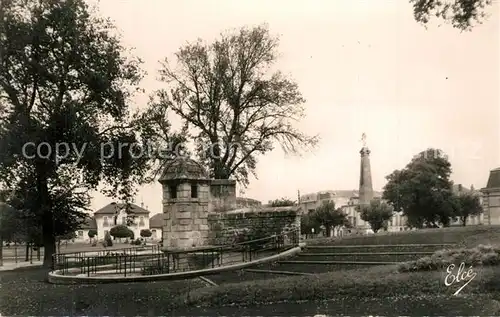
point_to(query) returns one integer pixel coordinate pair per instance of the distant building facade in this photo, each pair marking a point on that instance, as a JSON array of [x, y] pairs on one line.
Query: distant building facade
[[350, 200], [491, 198]]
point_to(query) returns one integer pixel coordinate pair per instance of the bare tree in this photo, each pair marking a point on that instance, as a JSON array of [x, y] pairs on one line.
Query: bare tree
[[234, 104]]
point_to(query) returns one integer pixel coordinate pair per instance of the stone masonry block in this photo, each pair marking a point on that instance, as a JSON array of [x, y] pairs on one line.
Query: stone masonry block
[[185, 221], [203, 227], [181, 228], [184, 215]]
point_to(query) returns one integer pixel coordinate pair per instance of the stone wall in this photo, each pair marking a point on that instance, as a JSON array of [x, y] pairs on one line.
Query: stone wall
[[222, 195], [268, 220], [243, 202]]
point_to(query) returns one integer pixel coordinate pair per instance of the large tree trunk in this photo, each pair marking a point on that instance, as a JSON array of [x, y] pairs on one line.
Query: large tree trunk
[[49, 241], [27, 256], [1, 252], [328, 229], [464, 221]]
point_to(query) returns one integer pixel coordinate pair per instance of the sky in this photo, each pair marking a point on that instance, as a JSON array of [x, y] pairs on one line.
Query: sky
[[363, 67]]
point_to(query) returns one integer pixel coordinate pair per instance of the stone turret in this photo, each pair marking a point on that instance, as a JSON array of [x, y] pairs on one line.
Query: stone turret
[[365, 177], [186, 199]]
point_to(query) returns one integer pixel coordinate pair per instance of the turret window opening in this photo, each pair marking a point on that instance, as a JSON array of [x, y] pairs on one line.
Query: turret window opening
[[194, 191], [172, 189]]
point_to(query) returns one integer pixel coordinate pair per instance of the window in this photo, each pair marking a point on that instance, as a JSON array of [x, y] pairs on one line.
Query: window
[[105, 222], [172, 189], [354, 221], [153, 233], [194, 191], [124, 220], [141, 221], [80, 233]]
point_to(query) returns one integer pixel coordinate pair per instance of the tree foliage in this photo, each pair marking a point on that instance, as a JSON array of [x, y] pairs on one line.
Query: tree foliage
[[146, 233], [282, 202], [466, 205], [92, 233], [121, 231], [462, 14], [308, 223], [423, 190], [233, 103], [329, 216], [65, 79], [377, 213]]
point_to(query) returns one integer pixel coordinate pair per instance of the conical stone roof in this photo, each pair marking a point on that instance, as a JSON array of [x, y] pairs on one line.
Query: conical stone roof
[[183, 169]]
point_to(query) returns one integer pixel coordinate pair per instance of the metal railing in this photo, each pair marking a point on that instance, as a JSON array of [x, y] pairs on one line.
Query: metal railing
[[152, 261]]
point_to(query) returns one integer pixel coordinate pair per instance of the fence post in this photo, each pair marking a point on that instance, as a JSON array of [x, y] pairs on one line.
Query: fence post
[[88, 267]]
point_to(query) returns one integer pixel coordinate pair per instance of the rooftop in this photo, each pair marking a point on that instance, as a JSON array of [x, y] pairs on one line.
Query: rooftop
[[494, 179], [89, 223], [157, 221], [183, 168], [112, 208]]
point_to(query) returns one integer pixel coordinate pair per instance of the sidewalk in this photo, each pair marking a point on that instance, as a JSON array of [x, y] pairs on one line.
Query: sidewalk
[[9, 266]]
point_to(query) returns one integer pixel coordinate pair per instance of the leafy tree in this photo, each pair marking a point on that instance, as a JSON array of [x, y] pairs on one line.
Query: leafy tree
[[92, 233], [283, 202], [422, 190], [328, 216], [462, 14], [308, 223], [377, 213], [146, 233], [65, 79], [466, 205], [121, 231], [233, 103]]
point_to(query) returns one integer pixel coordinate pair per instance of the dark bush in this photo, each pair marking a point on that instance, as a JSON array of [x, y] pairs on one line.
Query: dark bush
[[108, 242], [121, 231]]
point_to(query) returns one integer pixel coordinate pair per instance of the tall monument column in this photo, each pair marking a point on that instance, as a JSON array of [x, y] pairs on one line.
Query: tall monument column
[[365, 177]]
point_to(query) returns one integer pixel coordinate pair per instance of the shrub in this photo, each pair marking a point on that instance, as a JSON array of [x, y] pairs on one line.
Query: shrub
[[92, 233], [108, 242], [146, 233], [480, 256], [121, 231]]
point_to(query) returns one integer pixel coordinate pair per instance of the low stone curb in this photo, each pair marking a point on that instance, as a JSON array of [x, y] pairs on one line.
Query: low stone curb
[[55, 278]]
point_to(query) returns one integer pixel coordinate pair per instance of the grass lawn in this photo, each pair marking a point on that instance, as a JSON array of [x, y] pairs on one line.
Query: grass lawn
[[372, 285], [24, 292], [377, 290], [466, 236]]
